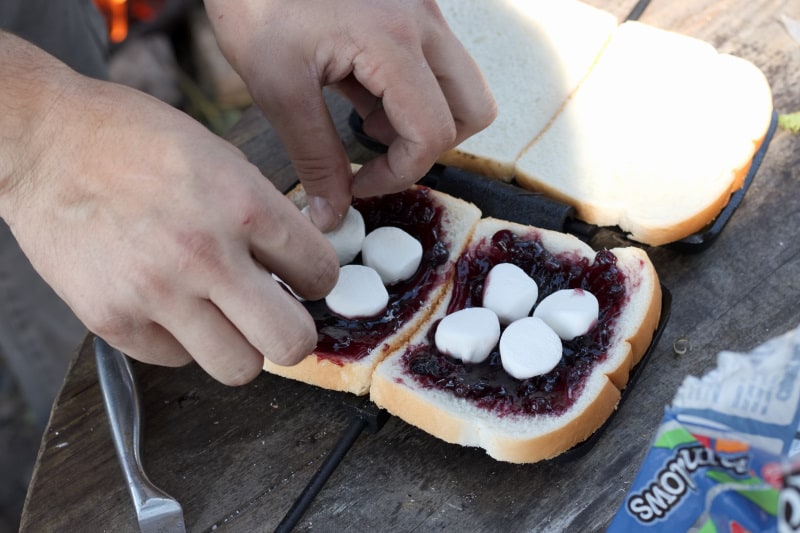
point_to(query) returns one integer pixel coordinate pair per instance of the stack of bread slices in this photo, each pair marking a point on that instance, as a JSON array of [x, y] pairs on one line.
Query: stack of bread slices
[[634, 126]]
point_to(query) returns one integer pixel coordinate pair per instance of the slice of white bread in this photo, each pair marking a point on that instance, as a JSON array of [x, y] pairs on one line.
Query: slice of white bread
[[656, 138], [514, 436], [533, 53], [339, 372], [636, 127]]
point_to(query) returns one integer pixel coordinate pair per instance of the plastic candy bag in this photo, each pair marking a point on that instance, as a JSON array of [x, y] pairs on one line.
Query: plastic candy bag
[[722, 458]]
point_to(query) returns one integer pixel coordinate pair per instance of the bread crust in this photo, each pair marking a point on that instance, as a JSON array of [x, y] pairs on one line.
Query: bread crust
[[479, 165], [523, 439], [652, 235], [428, 410], [354, 377], [636, 327]]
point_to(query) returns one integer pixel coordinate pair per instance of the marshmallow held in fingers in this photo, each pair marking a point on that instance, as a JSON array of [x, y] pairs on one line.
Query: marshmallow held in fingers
[[288, 288], [348, 237], [358, 293], [570, 312], [468, 334], [529, 348], [393, 253], [509, 292]]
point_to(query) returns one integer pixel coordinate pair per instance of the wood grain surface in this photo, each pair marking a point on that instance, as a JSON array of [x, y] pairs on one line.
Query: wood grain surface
[[237, 458]]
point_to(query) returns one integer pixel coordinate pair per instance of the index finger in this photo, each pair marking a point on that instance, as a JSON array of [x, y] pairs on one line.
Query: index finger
[[288, 245], [296, 108], [466, 90]]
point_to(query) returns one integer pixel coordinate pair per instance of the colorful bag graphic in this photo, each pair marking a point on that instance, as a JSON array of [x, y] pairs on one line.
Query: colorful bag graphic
[[721, 458]]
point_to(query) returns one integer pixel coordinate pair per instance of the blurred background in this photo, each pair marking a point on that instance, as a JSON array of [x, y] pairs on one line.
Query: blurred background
[[167, 49]]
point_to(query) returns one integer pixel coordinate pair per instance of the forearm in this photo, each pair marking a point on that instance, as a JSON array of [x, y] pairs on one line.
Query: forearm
[[32, 84]]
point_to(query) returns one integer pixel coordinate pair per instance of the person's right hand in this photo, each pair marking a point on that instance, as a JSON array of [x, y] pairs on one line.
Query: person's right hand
[[159, 235], [416, 87]]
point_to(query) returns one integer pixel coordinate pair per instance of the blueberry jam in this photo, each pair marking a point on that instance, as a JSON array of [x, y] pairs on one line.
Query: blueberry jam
[[340, 339], [486, 384]]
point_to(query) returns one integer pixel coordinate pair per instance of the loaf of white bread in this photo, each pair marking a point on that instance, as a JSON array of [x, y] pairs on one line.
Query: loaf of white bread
[[455, 241], [636, 127]]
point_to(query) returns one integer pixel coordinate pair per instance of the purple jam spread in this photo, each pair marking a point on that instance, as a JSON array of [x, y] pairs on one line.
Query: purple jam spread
[[486, 384], [341, 339]]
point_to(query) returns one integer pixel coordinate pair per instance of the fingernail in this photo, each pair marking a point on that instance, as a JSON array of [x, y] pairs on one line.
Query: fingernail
[[322, 214]]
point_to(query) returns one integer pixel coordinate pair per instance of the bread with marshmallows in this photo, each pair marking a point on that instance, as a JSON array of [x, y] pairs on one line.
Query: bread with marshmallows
[[636, 127], [515, 436], [354, 375]]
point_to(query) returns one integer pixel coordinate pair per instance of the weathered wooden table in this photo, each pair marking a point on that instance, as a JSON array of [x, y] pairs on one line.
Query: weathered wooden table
[[237, 458]]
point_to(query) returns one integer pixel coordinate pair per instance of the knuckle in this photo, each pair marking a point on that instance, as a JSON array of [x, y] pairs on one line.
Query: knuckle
[[315, 171], [448, 134], [406, 22], [415, 159], [111, 324], [249, 210], [486, 114], [430, 6], [439, 135], [295, 345], [248, 370], [478, 119], [327, 273], [402, 30], [171, 359], [157, 353], [150, 285], [196, 250], [432, 12]]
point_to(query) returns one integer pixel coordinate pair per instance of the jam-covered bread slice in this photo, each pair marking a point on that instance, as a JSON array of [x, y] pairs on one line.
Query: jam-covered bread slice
[[537, 418], [349, 349]]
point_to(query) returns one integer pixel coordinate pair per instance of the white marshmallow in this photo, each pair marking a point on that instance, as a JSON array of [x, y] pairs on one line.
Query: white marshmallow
[[529, 347], [570, 312], [348, 237], [468, 334], [286, 285], [392, 252], [358, 293], [509, 292]]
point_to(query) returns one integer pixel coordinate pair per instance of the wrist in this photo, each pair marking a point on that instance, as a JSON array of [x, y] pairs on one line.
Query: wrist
[[31, 88]]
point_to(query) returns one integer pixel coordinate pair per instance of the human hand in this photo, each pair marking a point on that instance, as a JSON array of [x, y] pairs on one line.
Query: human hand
[[159, 235], [409, 78]]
